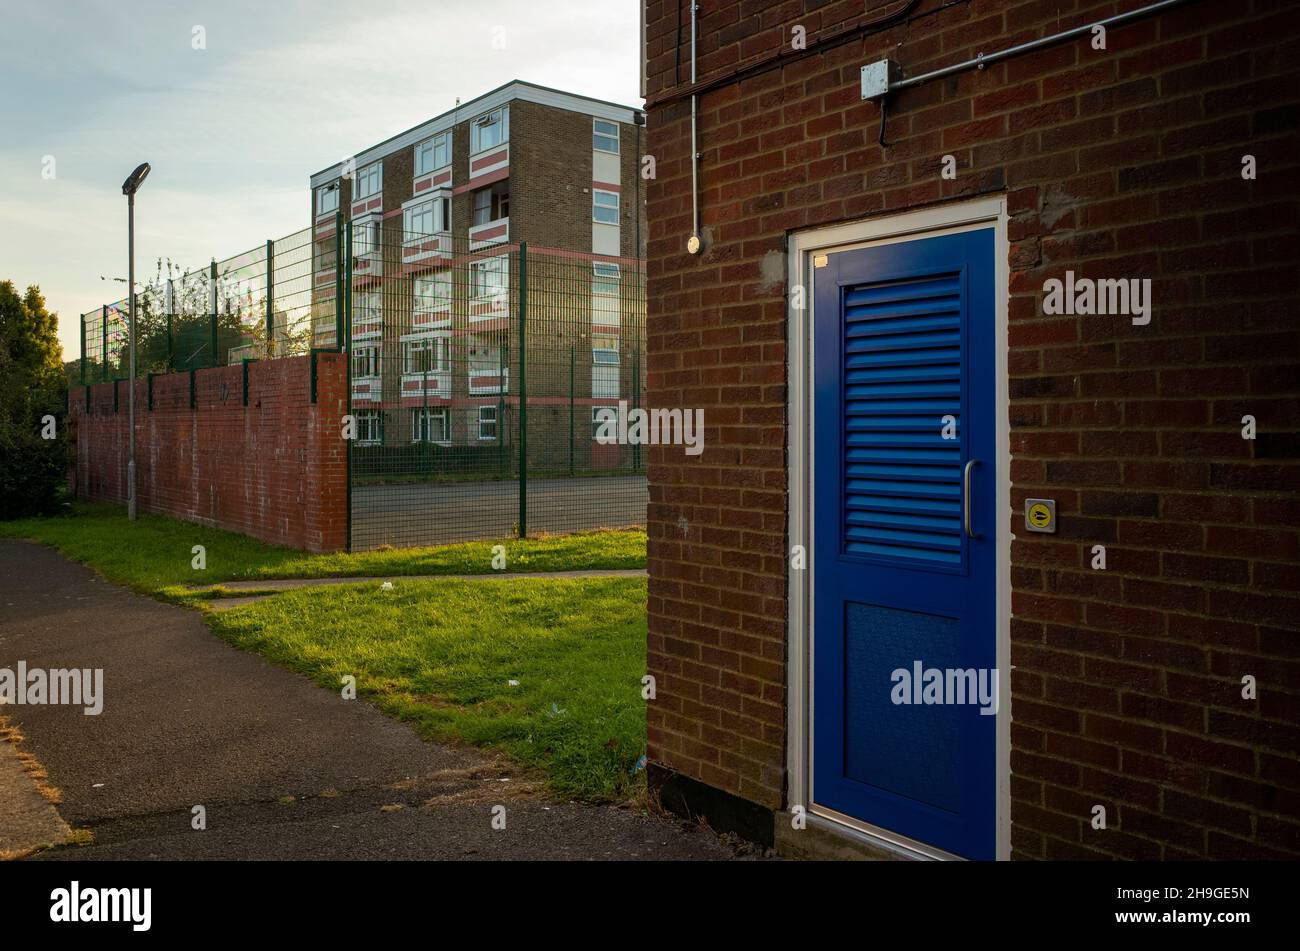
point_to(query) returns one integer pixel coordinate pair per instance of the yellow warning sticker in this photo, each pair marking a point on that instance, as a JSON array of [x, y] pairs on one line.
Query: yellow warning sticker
[[1040, 516]]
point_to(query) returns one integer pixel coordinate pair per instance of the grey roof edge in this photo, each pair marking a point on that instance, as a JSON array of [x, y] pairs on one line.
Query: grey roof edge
[[515, 89]]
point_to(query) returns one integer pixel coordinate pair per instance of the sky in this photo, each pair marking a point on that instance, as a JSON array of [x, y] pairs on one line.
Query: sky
[[235, 104]]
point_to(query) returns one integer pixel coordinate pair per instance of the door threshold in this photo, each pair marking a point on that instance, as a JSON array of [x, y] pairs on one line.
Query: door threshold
[[873, 837]]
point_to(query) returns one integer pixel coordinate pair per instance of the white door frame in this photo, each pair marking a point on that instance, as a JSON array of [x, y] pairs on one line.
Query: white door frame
[[926, 222]]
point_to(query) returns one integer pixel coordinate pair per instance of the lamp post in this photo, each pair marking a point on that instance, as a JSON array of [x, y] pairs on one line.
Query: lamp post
[[129, 188]]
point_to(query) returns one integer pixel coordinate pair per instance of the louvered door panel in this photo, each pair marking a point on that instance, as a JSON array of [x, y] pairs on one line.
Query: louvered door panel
[[902, 374]]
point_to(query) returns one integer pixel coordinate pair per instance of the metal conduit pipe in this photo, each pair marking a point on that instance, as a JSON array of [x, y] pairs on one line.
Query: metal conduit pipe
[[984, 59], [693, 242]]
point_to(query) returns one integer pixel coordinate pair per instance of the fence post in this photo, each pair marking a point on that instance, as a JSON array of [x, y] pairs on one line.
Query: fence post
[[212, 319], [523, 389], [83, 349], [503, 348], [270, 298], [170, 298], [346, 326], [572, 366], [636, 403], [338, 280], [103, 336]]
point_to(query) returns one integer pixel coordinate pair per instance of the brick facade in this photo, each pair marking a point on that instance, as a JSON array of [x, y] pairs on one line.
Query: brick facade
[[275, 469], [1124, 161], [549, 177]]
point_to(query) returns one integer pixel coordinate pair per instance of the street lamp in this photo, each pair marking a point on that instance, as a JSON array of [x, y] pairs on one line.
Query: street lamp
[[129, 188]]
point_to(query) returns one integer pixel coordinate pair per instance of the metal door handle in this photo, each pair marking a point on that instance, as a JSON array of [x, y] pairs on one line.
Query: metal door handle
[[965, 496]]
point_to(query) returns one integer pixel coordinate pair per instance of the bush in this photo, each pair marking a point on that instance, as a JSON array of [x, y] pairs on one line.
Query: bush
[[32, 387], [32, 470]]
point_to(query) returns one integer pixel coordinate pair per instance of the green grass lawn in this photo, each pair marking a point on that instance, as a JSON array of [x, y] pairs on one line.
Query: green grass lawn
[[153, 555], [441, 654]]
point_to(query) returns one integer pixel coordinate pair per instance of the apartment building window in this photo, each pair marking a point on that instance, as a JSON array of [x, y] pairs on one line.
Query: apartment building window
[[487, 422], [327, 199], [489, 278], [432, 154], [605, 294], [489, 130], [367, 306], [365, 361], [431, 291], [369, 181], [492, 203], [604, 206], [365, 236], [370, 427], [604, 373], [429, 355], [429, 425], [604, 136], [427, 218]]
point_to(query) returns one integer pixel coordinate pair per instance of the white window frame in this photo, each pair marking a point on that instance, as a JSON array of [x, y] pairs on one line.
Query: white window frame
[[321, 192], [502, 266], [501, 116], [368, 419], [431, 147], [438, 210], [605, 358], [436, 346], [493, 422], [597, 134], [616, 207], [606, 294], [422, 419], [368, 305], [498, 204], [366, 235], [369, 181], [421, 300], [369, 356]]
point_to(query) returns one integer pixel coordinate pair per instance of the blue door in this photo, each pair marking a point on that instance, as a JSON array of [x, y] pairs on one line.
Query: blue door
[[904, 584]]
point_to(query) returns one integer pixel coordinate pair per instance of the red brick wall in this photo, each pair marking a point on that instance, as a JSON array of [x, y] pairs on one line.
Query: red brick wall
[[275, 469], [1117, 163]]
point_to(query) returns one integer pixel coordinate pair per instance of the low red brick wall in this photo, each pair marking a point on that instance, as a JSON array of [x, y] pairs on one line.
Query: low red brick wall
[[275, 469]]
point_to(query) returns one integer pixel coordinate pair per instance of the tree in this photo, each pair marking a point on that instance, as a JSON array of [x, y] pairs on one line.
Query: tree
[[33, 397]]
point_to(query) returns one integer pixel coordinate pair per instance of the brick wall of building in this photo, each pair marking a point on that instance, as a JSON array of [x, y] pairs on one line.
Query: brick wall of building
[[1117, 163], [275, 469]]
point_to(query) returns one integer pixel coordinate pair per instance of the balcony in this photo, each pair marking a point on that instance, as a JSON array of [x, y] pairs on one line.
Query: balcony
[[489, 164], [489, 308], [489, 382], [367, 388], [324, 332], [366, 267], [424, 248], [436, 384], [438, 178], [491, 232], [431, 317], [323, 226]]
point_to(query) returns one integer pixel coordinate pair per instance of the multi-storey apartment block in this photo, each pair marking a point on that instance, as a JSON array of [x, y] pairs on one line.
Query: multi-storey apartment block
[[438, 218]]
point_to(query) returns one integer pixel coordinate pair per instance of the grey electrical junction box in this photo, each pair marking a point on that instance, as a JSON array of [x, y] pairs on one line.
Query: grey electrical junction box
[[878, 77]]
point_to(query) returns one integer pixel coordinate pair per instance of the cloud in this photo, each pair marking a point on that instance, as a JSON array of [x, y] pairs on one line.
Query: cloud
[[235, 130]]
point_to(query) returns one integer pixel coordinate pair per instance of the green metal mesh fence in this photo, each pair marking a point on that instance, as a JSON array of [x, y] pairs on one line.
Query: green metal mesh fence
[[476, 368], [212, 316]]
